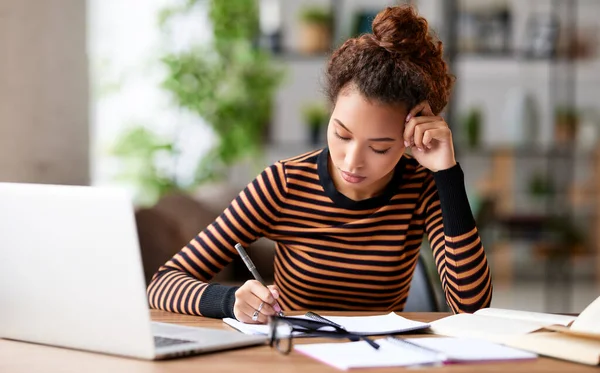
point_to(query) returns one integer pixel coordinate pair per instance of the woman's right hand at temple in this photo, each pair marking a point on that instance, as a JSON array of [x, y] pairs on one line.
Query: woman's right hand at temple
[[252, 297]]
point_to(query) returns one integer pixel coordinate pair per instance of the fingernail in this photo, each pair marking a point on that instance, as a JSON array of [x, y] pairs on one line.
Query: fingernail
[[275, 294], [408, 117], [277, 308], [420, 149], [406, 143]]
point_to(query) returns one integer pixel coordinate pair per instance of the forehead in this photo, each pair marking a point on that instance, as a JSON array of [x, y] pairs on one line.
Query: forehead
[[357, 113]]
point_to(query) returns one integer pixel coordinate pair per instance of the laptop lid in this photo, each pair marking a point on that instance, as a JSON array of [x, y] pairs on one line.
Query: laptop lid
[[70, 269]]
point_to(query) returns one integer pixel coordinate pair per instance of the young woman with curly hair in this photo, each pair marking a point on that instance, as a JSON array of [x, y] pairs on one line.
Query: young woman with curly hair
[[348, 220]]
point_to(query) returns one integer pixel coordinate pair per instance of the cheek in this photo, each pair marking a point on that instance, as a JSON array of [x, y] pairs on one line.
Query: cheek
[[383, 164]]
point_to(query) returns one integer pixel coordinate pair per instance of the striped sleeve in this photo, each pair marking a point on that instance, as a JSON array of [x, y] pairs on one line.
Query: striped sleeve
[[181, 285], [454, 239]]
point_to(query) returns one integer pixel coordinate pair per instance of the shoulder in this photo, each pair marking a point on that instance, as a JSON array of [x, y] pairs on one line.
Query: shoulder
[[305, 158], [279, 172], [305, 163]]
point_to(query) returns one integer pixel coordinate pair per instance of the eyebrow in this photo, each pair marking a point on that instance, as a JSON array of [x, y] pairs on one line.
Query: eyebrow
[[375, 139]]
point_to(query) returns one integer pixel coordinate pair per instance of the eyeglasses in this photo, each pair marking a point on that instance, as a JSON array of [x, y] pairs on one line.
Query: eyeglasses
[[283, 329]]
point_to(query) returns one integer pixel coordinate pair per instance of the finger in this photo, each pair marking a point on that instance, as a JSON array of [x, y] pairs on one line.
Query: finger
[[420, 129], [409, 129], [423, 108], [247, 312], [415, 110], [439, 134], [275, 292], [265, 309], [261, 291]]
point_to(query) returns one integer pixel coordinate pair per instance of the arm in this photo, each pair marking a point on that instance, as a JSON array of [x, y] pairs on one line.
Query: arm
[[181, 285], [454, 239]]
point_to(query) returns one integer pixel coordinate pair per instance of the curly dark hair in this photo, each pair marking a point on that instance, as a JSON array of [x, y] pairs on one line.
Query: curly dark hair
[[399, 63]]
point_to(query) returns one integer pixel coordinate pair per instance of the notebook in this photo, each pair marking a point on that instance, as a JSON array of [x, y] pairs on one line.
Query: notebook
[[363, 325], [566, 337], [410, 352]]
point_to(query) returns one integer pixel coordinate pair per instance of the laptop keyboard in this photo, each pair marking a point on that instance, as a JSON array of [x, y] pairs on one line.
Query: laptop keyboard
[[164, 341]]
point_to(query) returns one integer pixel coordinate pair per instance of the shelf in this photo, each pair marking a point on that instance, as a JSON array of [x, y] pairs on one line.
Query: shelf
[[290, 56], [501, 67], [552, 151]]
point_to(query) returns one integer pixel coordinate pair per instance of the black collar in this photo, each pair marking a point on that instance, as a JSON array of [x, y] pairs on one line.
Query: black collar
[[370, 203]]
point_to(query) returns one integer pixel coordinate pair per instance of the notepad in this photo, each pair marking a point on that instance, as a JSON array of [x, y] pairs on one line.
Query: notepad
[[363, 325], [420, 351]]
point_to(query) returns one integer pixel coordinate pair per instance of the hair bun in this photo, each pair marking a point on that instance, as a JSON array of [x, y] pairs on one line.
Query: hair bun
[[401, 30]]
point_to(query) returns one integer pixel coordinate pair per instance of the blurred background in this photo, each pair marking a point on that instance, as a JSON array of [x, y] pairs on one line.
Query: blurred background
[[183, 102]]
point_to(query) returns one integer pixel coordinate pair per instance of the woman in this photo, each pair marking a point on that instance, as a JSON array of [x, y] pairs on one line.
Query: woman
[[348, 220]]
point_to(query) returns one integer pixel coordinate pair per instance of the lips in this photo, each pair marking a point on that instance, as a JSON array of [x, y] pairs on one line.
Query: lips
[[352, 178]]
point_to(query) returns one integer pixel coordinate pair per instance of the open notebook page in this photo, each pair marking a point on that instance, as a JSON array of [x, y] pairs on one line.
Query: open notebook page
[[346, 355], [367, 325], [486, 327], [471, 350], [394, 352], [537, 317], [589, 319]]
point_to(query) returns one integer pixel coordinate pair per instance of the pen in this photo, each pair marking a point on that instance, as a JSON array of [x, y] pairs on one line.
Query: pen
[[439, 355], [315, 316], [251, 267]]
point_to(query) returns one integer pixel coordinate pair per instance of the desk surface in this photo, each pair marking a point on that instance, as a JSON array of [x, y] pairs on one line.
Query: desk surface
[[25, 357]]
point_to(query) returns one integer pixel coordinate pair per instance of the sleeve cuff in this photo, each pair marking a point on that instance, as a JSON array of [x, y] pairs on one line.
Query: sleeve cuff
[[456, 211], [217, 301]]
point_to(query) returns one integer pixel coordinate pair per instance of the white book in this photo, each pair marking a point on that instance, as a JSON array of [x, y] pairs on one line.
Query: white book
[[529, 330]]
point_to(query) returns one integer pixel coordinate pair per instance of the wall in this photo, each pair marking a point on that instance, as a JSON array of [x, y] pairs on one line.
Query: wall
[[43, 92]]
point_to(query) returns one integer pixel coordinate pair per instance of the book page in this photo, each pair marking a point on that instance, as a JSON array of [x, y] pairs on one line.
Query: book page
[[538, 317], [471, 350], [360, 354], [365, 325], [559, 345], [380, 324], [495, 329], [247, 328], [589, 319]]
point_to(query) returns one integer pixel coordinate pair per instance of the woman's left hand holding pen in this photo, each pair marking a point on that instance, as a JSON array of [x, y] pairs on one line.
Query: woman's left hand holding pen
[[253, 298]]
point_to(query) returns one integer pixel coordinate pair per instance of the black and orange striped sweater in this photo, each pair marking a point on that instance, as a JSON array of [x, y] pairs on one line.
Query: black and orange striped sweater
[[334, 253]]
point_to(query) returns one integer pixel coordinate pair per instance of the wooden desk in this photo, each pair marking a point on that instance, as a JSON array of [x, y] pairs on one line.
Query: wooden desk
[[16, 357]]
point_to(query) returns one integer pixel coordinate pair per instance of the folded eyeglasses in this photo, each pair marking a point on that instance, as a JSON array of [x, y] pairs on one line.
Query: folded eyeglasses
[[283, 329]]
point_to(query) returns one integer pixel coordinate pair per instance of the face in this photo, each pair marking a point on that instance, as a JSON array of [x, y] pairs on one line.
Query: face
[[365, 143]]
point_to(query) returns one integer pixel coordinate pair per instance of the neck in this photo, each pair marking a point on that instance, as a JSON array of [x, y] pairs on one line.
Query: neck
[[357, 194]]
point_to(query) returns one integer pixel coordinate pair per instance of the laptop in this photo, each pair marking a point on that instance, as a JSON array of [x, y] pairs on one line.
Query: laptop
[[71, 275]]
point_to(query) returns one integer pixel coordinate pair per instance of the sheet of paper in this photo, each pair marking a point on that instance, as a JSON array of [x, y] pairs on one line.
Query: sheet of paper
[[471, 350], [589, 319], [541, 318], [360, 354], [380, 324], [366, 325], [485, 327], [247, 328]]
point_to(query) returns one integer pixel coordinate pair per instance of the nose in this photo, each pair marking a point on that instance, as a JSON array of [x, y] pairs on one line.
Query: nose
[[354, 158]]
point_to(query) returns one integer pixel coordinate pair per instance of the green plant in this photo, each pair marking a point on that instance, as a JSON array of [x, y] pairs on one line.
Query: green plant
[[138, 149], [315, 114], [472, 122], [316, 14], [540, 185], [566, 114], [229, 83]]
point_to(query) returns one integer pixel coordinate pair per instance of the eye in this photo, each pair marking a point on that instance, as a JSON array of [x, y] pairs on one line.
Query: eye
[[340, 137], [380, 151]]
